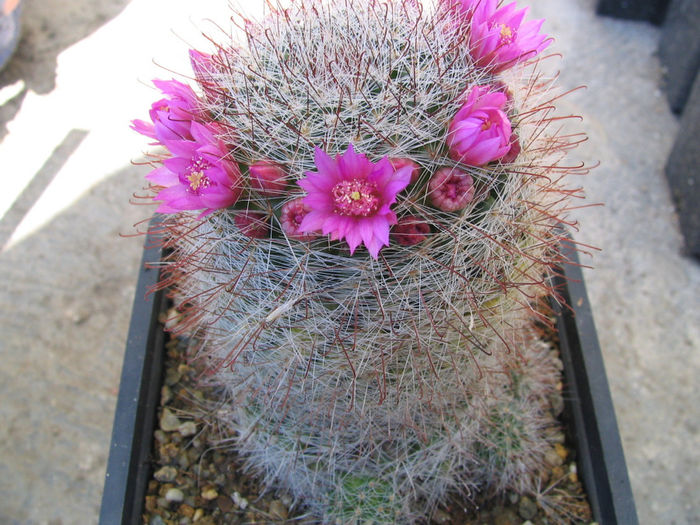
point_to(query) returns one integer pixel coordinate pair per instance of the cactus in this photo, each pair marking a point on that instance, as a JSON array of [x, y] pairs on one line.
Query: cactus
[[380, 355]]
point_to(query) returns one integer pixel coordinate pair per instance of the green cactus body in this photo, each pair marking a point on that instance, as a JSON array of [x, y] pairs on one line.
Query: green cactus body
[[372, 388]]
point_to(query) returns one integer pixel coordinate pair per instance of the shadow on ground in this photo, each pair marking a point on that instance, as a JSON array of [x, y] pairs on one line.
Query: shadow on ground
[[48, 28], [66, 301]]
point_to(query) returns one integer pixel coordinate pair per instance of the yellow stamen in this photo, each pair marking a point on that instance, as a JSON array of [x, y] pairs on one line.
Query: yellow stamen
[[196, 179], [355, 195], [506, 34]]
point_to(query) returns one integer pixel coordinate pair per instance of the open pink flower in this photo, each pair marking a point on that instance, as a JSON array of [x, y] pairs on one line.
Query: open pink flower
[[350, 198], [198, 176], [410, 230], [291, 217], [480, 131], [451, 189], [498, 37], [170, 116]]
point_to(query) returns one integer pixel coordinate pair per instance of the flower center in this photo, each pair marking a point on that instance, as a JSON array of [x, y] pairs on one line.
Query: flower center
[[506, 35], [357, 198], [486, 124], [194, 175]]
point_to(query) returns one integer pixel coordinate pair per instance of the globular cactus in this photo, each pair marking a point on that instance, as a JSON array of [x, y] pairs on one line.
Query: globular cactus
[[362, 201]]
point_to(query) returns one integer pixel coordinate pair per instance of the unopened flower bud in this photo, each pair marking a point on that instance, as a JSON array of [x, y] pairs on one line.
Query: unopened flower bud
[[253, 224], [293, 212], [451, 189], [410, 230], [398, 163], [268, 178]]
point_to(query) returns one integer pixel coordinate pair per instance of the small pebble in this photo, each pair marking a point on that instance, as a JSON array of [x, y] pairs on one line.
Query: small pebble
[[174, 496], [224, 503], [573, 473], [165, 474], [188, 428], [278, 510], [527, 509], [169, 421], [197, 515], [156, 520], [166, 395], [172, 377], [186, 510], [239, 500], [561, 450], [210, 494], [558, 437]]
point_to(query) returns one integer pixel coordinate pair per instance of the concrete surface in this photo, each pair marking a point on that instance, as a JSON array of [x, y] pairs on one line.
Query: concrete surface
[[68, 277]]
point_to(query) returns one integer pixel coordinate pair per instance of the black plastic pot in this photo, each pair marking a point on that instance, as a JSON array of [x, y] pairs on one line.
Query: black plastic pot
[[601, 462]]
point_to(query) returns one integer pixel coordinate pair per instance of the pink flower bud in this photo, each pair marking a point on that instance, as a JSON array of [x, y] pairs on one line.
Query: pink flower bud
[[293, 212], [451, 189], [398, 163], [410, 230], [268, 178], [252, 224], [514, 150]]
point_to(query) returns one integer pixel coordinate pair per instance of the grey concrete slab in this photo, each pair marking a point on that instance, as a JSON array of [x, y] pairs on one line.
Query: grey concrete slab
[[67, 276]]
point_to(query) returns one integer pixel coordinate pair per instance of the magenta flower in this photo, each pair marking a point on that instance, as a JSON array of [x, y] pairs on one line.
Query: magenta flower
[[171, 116], [498, 38], [480, 131], [291, 217], [350, 198], [410, 230], [450, 189], [198, 176], [267, 178]]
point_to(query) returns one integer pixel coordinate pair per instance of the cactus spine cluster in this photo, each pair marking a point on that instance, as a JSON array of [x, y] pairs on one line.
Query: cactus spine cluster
[[372, 388]]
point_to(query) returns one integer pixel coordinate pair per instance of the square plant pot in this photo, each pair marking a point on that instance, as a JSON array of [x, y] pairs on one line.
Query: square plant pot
[[591, 419]]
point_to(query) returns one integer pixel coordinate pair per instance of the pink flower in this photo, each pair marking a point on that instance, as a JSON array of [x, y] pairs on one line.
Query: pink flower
[[291, 217], [350, 198], [450, 189], [252, 224], [410, 230], [498, 38], [268, 178], [480, 131], [198, 176], [171, 116]]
